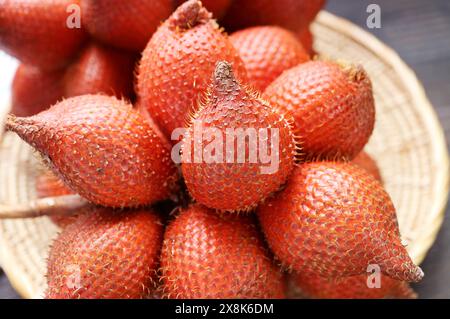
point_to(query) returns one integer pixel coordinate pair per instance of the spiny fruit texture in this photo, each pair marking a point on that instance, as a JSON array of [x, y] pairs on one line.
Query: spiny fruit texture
[[236, 181], [49, 185], [365, 161], [217, 7], [307, 40], [290, 14], [102, 149], [267, 51], [178, 62], [106, 254], [208, 255], [36, 31], [101, 69], [334, 219], [124, 24], [332, 105], [352, 287], [34, 90]]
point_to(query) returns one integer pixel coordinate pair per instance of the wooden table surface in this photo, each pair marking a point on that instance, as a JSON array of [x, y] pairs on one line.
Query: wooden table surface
[[420, 32]]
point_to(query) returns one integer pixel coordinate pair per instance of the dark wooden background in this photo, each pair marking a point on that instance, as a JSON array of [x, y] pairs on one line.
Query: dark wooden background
[[419, 31]]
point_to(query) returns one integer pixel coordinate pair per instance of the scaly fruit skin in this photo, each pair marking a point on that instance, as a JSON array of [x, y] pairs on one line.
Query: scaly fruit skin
[[34, 90], [306, 38], [332, 105], [236, 185], [177, 64], [334, 219], [267, 51], [124, 24], [217, 7], [49, 185], [106, 254], [365, 161], [290, 14], [102, 149], [101, 69], [208, 255], [36, 32], [352, 287]]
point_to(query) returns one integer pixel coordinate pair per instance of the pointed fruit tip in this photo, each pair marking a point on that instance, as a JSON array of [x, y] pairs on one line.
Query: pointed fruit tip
[[190, 14]]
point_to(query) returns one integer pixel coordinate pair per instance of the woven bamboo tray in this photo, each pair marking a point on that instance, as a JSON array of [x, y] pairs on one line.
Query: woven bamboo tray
[[408, 144]]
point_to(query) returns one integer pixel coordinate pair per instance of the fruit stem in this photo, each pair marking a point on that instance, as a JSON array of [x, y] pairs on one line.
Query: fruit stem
[[49, 206]]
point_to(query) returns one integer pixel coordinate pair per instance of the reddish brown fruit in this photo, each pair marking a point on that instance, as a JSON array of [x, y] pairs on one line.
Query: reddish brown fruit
[[332, 105], [49, 185], [307, 40], [34, 90], [352, 287], [217, 7], [36, 31], [102, 149], [365, 161], [334, 219], [100, 69], [227, 182], [267, 51], [178, 62], [207, 255], [106, 254], [290, 14], [124, 24]]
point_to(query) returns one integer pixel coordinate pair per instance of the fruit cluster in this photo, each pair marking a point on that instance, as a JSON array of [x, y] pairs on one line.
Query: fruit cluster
[[177, 214]]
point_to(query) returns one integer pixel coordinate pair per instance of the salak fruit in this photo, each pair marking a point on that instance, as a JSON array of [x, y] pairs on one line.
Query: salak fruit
[[124, 24], [101, 69], [34, 90], [106, 254], [39, 32], [365, 161], [332, 105], [267, 51], [247, 147], [102, 149], [217, 7], [307, 40], [49, 185], [334, 219], [208, 255], [177, 64], [351, 287], [290, 14]]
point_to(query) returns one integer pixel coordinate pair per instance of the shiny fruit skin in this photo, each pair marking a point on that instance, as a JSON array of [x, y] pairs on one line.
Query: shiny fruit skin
[[49, 185], [100, 69], [351, 287], [110, 254], [267, 51], [36, 32], [332, 106], [177, 64], [366, 162], [102, 149], [209, 255], [290, 14], [333, 219], [235, 185], [217, 7], [124, 24], [34, 90]]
